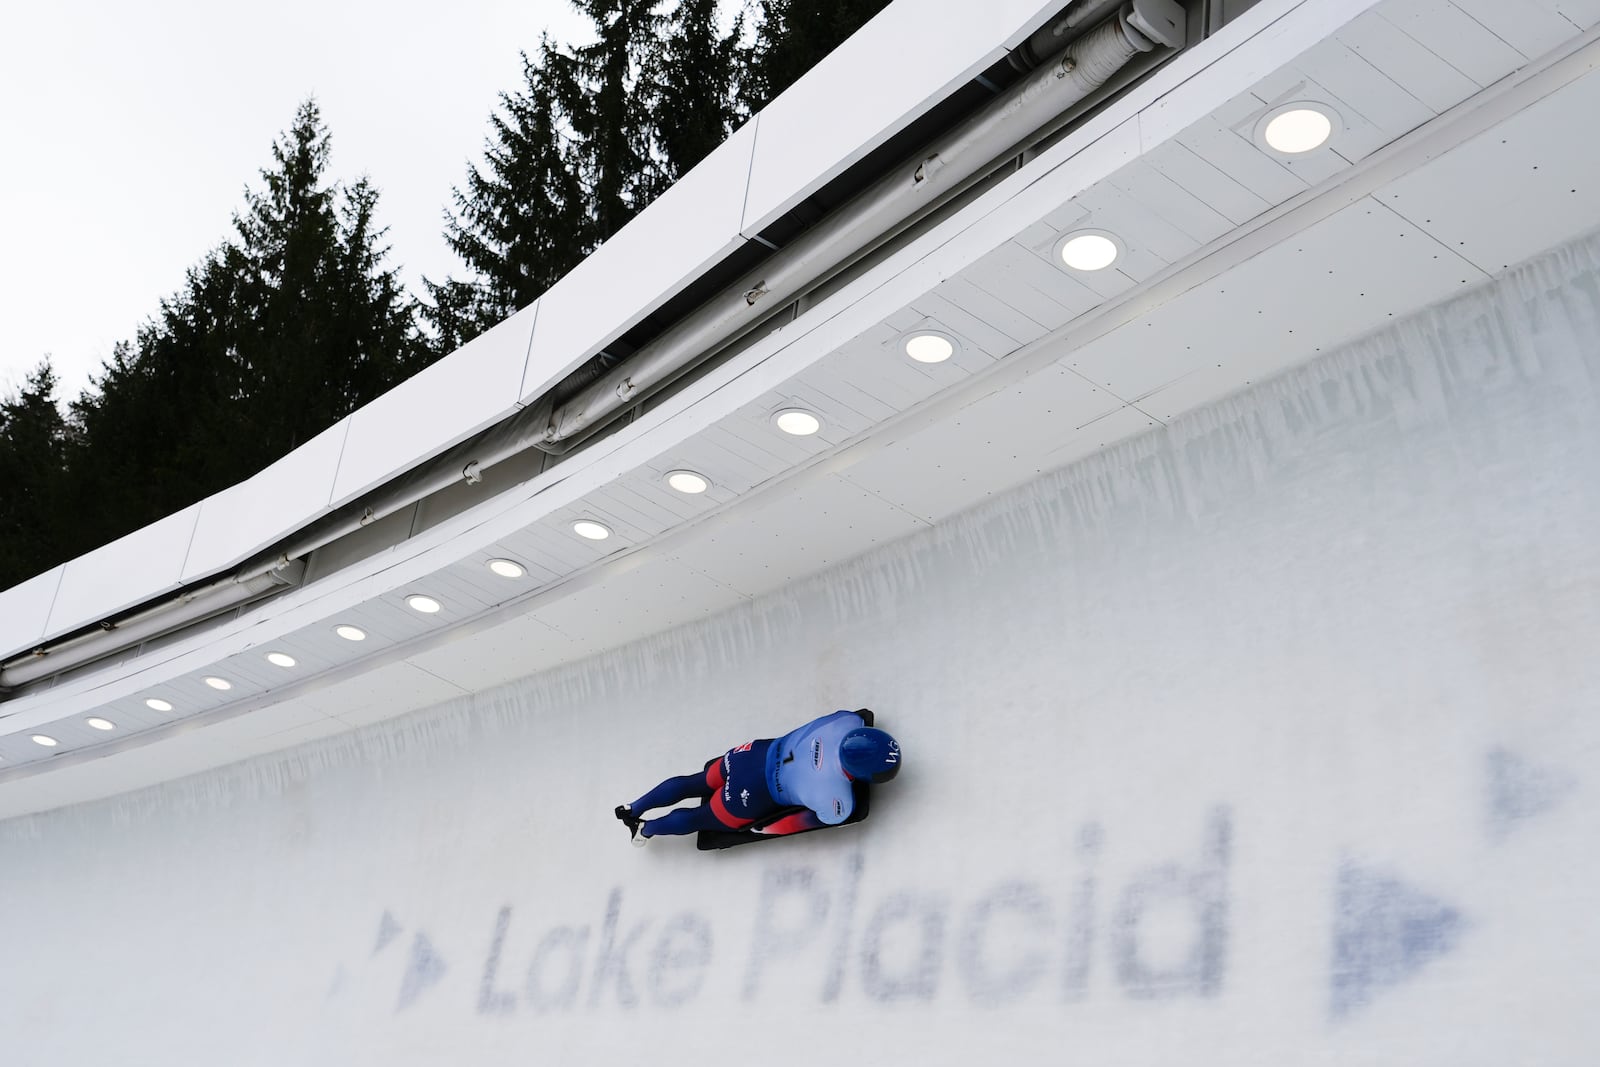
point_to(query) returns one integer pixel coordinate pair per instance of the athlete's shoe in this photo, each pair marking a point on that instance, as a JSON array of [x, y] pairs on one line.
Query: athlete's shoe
[[634, 824]]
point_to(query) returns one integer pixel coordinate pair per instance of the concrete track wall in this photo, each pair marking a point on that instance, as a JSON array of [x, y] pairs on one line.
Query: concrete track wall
[[1268, 738]]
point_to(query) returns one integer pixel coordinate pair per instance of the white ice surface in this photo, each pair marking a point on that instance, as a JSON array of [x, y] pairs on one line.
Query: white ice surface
[[1267, 739]]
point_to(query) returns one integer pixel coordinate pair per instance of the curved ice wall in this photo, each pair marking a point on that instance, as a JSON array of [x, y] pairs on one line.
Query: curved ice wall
[[1268, 738]]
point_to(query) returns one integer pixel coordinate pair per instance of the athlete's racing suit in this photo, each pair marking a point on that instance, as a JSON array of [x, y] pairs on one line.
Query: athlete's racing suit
[[748, 784]]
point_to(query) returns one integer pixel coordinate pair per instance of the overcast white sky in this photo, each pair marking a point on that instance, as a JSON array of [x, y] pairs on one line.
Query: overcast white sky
[[130, 130]]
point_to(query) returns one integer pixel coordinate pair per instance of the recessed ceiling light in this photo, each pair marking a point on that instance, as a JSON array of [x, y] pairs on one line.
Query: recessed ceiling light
[[1089, 250], [46, 740], [425, 604], [101, 724], [797, 421], [594, 531], [219, 683], [505, 568], [926, 346], [1296, 128], [687, 482], [157, 704], [351, 633], [280, 659]]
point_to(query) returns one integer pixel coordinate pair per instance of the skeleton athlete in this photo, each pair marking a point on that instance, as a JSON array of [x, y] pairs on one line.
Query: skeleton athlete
[[804, 780]]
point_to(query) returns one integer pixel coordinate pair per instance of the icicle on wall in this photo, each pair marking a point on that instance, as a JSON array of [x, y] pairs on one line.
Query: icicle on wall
[[1267, 738]]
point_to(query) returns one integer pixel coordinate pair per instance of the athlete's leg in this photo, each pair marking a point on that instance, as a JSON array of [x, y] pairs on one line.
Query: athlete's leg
[[672, 791], [685, 821], [684, 787], [740, 775]]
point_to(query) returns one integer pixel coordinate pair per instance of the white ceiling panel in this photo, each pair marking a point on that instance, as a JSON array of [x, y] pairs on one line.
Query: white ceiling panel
[[495, 655], [731, 471], [986, 324], [1458, 38], [1531, 28], [646, 491], [884, 372], [1219, 190], [1180, 208], [830, 380], [1337, 279], [1584, 13], [797, 533], [1369, 94], [1151, 242], [17, 749], [250, 672], [634, 602], [386, 620], [557, 550], [1533, 182], [190, 696], [1025, 282], [473, 573], [1408, 63], [391, 690], [998, 441], [1240, 159], [130, 715]]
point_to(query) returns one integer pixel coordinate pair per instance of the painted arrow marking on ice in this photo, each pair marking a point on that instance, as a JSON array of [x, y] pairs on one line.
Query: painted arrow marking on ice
[[1520, 789], [388, 930], [1384, 932], [425, 969]]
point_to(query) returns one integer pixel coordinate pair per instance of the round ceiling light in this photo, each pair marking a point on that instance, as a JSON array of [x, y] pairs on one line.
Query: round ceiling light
[[157, 704], [925, 346], [1296, 128], [1089, 250], [350, 633], [505, 568], [219, 683], [101, 724], [797, 421], [594, 531], [280, 659], [46, 740], [425, 604], [687, 482]]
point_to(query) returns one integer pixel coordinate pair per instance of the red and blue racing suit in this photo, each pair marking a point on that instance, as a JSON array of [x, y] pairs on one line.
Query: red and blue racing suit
[[749, 784]]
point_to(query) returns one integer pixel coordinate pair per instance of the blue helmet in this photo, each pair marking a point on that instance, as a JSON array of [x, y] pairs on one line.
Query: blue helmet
[[870, 755]]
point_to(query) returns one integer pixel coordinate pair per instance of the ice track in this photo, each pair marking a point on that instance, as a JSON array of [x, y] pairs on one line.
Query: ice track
[[1269, 738]]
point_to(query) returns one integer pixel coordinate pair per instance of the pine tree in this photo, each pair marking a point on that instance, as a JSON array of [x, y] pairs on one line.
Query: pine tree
[[601, 90], [33, 438], [328, 328], [521, 222], [274, 337], [692, 74], [792, 37]]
